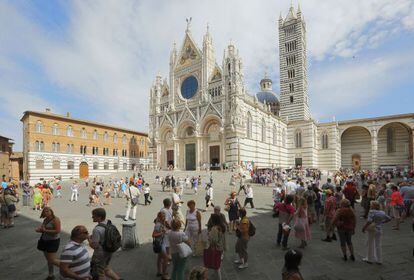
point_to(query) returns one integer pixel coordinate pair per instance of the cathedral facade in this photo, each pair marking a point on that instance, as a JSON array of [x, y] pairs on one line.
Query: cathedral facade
[[203, 116]]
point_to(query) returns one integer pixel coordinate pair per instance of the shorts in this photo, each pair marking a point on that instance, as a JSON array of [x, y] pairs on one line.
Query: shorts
[[99, 264], [48, 246]]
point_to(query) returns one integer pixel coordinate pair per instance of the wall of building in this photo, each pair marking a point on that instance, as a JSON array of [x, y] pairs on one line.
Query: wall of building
[[136, 151], [401, 155], [356, 140]]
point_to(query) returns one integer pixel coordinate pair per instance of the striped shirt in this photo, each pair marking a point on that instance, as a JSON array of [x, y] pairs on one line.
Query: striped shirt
[[78, 258]]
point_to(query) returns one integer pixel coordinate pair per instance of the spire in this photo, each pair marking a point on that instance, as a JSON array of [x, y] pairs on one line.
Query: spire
[[207, 36], [291, 13]]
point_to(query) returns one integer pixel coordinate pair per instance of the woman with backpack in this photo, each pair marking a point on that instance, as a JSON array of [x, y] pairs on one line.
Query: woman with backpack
[[159, 247], [243, 237], [216, 238]]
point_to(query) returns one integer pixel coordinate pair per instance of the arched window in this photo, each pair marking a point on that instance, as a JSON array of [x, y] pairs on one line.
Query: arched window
[[133, 140], [324, 140], [69, 131], [105, 137], [83, 133], [115, 138], [39, 127], [142, 141], [95, 165], [390, 140], [124, 166], [42, 146], [95, 135], [263, 130], [274, 135], [37, 146], [106, 165], [249, 125], [55, 129], [298, 139], [124, 139], [71, 165]]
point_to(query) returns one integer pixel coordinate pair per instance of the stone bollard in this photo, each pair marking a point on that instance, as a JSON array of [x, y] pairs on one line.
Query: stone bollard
[[129, 237]]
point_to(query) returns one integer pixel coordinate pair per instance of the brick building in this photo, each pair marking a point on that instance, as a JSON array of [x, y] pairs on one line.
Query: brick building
[[56, 145]]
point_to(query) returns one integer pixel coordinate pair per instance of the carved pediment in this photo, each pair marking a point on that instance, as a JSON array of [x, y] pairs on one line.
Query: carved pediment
[[211, 110]]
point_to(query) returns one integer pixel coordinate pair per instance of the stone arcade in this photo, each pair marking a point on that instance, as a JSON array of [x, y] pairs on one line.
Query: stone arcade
[[204, 116]]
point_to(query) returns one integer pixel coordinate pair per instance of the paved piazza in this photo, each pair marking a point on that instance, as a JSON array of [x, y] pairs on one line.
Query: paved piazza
[[19, 258]]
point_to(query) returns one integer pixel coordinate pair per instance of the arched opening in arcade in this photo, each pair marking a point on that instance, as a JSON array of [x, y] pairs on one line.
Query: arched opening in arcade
[[356, 148], [395, 146]]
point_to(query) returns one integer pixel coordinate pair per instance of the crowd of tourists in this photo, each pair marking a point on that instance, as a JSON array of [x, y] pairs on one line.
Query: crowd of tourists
[[300, 202]]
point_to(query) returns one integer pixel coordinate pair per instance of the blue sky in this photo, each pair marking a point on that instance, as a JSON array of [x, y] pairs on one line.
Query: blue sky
[[98, 59]]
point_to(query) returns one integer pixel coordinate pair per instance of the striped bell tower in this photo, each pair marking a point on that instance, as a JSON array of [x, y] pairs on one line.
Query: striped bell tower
[[294, 101]]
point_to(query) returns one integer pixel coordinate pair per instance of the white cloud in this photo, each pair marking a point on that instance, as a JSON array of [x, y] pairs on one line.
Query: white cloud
[[350, 84], [109, 54]]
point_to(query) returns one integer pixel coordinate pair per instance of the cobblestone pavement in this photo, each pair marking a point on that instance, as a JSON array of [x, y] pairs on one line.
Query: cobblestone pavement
[[19, 258]]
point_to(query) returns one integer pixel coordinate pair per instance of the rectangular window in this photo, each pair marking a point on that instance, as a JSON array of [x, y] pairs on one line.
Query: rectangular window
[[291, 99], [71, 165], [56, 164], [40, 164]]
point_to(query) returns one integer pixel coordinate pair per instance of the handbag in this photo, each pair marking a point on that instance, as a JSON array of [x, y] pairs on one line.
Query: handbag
[[227, 208], [298, 227], [212, 258], [372, 227], [10, 207], [184, 250], [134, 200], [157, 245]]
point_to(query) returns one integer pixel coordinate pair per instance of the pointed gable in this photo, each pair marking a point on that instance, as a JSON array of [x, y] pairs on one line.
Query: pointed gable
[[189, 52], [216, 75]]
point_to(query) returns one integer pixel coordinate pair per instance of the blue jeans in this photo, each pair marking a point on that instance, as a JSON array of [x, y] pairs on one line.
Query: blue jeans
[[281, 237], [178, 267]]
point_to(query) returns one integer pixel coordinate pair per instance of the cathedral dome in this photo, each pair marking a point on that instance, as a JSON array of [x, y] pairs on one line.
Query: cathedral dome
[[267, 96]]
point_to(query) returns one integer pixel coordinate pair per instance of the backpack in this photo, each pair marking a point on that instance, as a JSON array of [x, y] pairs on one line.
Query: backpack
[[252, 229], [112, 239]]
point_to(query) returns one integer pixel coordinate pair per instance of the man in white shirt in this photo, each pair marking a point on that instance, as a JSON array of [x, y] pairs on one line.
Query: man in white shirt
[[132, 193], [209, 196], [249, 196], [74, 188]]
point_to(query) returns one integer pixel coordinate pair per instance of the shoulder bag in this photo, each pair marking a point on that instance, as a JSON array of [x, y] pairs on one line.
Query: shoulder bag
[[134, 200], [184, 250]]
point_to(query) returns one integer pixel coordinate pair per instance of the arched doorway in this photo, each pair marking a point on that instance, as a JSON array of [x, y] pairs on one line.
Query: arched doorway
[[356, 151], [83, 170], [395, 145]]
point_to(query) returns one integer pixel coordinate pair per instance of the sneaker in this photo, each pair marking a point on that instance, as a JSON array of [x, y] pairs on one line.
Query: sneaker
[[345, 258], [237, 262], [244, 265], [334, 237], [125, 219], [366, 260], [352, 258]]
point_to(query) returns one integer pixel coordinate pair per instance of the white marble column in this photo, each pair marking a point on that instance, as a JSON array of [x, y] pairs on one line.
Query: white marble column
[[199, 151], [374, 149], [177, 154]]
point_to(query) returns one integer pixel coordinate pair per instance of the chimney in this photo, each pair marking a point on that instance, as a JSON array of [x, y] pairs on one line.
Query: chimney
[[47, 110], [68, 115]]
